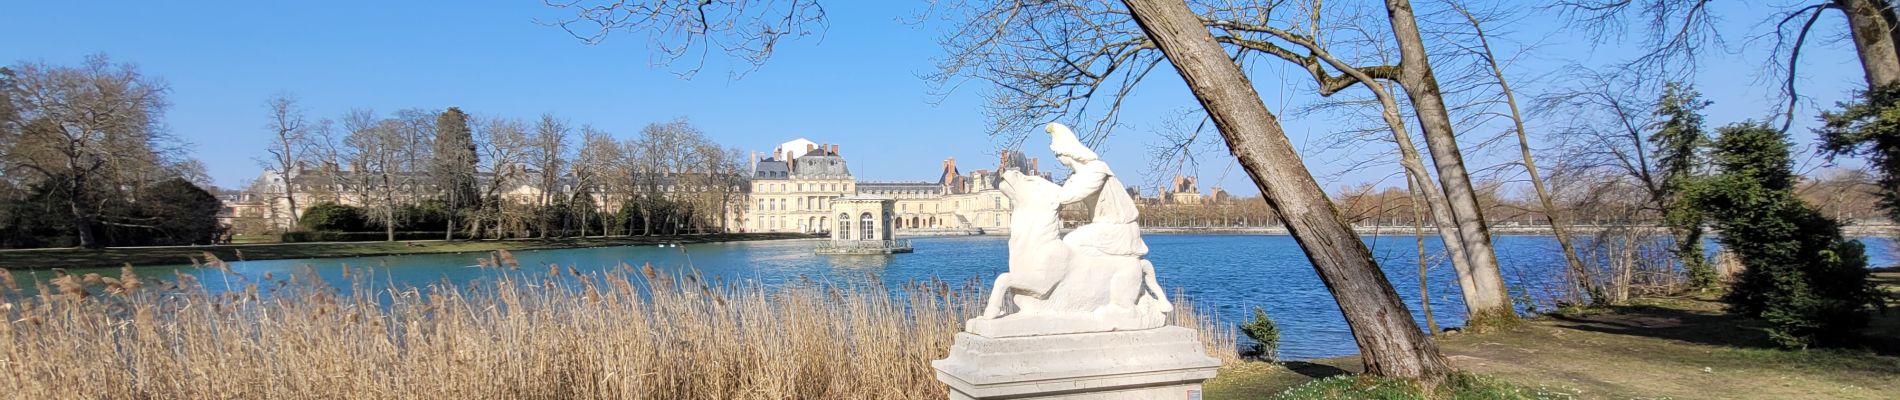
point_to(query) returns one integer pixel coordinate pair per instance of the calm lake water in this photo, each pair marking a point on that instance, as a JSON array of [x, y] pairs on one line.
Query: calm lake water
[[1226, 274]]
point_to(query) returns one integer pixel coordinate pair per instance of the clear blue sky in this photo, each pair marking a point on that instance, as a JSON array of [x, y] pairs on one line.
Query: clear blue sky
[[858, 85]]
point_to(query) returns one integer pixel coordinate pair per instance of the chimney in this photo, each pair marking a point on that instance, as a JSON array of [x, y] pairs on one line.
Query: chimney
[[1032, 166], [809, 148], [834, 149]]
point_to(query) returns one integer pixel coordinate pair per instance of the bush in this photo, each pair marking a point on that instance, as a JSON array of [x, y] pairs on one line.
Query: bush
[[171, 212], [1265, 335], [186, 213], [1800, 273], [333, 217]]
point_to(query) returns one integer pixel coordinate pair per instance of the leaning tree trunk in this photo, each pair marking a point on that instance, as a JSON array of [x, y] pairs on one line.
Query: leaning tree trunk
[[1418, 235], [1390, 343], [1872, 24], [1449, 232], [1530, 166], [1415, 75]]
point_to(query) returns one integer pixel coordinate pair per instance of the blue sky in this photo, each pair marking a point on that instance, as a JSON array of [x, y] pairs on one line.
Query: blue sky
[[858, 85]]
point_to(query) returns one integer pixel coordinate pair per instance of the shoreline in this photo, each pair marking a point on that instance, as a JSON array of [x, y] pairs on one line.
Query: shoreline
[[43, 259], [1539, 230]]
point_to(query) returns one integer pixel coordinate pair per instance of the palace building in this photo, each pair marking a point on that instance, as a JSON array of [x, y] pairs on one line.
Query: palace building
[[794, 188]]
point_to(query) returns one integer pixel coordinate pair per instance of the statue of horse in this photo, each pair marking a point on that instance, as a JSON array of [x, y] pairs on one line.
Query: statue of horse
[[1038, 259]]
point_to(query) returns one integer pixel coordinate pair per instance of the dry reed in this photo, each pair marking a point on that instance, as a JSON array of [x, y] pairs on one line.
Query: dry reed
[[622, 333]]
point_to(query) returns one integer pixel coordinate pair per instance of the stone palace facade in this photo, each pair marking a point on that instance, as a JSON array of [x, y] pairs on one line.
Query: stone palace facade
[[794, 186]]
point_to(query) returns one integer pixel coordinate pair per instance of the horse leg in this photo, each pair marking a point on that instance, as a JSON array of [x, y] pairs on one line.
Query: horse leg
[[1154, 288], [997, 293], [1124, 284]]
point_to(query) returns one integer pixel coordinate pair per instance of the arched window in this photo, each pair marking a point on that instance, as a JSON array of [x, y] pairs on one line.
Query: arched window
[[868, 226], [844, 226]]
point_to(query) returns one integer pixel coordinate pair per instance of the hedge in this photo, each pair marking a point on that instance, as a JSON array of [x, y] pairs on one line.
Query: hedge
[[332, 236]]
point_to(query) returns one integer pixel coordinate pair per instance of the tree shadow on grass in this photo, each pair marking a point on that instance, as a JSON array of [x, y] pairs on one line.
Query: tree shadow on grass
[[1313, 370], [1711, 328]]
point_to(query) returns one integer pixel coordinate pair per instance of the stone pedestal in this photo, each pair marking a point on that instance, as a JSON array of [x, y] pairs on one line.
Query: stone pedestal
[[1160, 363]]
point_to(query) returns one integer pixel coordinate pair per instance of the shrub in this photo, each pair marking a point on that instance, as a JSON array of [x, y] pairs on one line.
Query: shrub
[[186, 213], [334, 217], [1265, 335], [1800, 273]]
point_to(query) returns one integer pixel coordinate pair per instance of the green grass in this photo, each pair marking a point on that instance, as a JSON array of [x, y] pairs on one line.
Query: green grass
[[1679, 347], [111, 257], [1457, 387]]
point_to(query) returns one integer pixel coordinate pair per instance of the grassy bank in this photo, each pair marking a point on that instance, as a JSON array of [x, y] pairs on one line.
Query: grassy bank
[[139, 256], [557, 334], [1657, 348]]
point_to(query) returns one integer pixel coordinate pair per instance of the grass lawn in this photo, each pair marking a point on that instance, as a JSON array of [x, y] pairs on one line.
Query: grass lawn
[[1683, 348], [75, 258]]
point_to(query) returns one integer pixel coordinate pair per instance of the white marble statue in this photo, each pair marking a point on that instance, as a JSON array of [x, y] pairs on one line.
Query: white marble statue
[[1095, 279]]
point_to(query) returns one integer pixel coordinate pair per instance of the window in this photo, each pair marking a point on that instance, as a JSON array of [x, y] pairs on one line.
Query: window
[[844, 227], [998, 201], [869, 226]]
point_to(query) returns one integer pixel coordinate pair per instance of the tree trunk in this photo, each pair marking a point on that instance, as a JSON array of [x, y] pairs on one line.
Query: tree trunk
[[1871, 22], [1418, 233], [1389, 341], [1416, 176], [1581, 275], [1415, 75], [290, 196], [82, 222], [389, 227]]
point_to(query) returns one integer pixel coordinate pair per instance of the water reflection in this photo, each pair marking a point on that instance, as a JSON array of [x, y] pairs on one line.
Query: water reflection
[[1226, 274]]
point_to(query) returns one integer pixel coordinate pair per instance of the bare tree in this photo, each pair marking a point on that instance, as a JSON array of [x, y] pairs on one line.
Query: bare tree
[[747, 29], [324, 150], [1390, 342], [1481, 296], [1484, 52], [377, 152], [1675, 33], [549, 147], [92, 130], [417, 129], [1050, 59], [597, 156], [289, 135], [504, 146]]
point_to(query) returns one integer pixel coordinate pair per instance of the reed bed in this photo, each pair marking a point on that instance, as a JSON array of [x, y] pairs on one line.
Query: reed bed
[[621, 333]]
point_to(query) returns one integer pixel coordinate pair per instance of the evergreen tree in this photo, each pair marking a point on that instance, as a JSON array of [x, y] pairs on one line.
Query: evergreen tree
[[1801, 274], [184, 213], [1679, 142], [1869, 127], [454, 169]]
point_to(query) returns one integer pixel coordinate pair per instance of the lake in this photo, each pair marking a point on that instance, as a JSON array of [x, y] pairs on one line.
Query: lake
[[1225, 274]]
